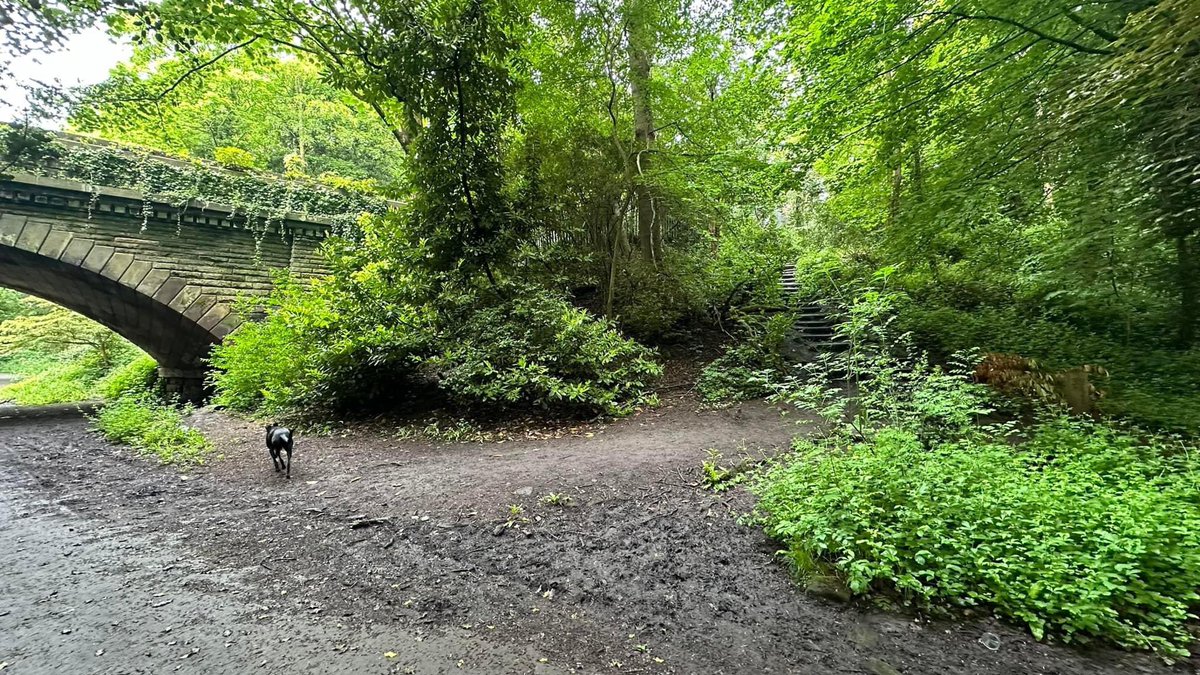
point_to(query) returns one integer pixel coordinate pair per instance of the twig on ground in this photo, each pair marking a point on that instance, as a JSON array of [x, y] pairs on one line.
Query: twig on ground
[[368, 522]]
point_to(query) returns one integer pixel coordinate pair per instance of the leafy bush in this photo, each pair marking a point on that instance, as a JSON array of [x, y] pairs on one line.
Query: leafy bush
[[1081, 532], [136, 376], [320, 348], [268, 365], [323, 348], [754, 365], [649, 303], [540, 351], [78, 375], [737, 375], [27, 362], [235, 157], [1150, 386], [152, 428], [63, 356]]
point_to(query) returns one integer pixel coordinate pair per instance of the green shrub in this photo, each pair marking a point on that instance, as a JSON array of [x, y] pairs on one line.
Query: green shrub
[[28, 362], [318, 349], [739, 374], [1150, 386], [754, 365], [263, 366], [324, 349], [236, 158], [650, 302], [136, 376], [1081, 532], [537, 350], [140, 421]]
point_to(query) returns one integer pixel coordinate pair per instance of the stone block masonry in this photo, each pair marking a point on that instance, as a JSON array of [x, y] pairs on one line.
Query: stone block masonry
[[164, 276]]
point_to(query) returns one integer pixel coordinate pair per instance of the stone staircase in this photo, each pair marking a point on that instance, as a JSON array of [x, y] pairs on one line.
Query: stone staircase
[[814, 331]]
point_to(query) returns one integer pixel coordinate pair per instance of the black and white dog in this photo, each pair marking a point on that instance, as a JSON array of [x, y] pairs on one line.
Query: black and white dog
[[279, 440]]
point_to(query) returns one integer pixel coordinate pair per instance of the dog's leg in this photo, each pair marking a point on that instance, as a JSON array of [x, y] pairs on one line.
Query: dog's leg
[[289, 462], [275, 460]]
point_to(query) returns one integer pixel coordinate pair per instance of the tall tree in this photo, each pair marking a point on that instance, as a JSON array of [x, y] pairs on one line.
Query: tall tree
[[640, 26], [1022, 164], [272, 105]]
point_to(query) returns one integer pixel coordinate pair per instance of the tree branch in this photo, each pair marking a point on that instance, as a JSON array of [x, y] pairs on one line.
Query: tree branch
[[195, 69], [1027, 28]]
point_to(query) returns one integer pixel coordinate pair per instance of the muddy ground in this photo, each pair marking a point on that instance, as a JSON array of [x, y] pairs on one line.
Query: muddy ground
[[386, 556]]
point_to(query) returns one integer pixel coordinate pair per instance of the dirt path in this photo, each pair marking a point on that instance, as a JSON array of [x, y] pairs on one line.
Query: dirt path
[[378, 548]]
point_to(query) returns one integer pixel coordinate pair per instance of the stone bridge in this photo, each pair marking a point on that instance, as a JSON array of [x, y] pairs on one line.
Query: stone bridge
[[165, 276]]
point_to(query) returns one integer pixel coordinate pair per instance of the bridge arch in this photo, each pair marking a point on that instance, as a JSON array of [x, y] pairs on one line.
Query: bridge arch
[[163, 276]]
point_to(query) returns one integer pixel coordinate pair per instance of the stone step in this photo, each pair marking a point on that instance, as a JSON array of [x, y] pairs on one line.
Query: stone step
[[813, 326]]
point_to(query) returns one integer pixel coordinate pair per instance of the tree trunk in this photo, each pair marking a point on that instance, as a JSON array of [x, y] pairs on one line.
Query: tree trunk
[[641, 45]]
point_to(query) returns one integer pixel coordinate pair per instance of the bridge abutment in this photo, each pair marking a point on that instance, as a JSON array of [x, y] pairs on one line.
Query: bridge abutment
[[187, 385]]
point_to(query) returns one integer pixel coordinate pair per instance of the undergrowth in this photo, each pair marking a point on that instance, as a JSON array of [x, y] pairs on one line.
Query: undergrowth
[[1081, 532], [153, 428], [76, 376], [1079, 529]]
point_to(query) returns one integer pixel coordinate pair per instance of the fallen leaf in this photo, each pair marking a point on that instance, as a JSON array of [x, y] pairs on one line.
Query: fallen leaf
[[391, 655]]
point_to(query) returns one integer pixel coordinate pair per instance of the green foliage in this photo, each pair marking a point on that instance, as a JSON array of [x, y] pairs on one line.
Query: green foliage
[[539, 351], [650, 303], [236, 158], [1081, 532], [277, 364], [351, 344], [63, 356], [1067, 238], [27, 362], [1077, 529], [75, 376], [47, 327], [152, 428], [739, 374], [14, 304], [1150, 386], [136, 376], [61, 382], [279, 110], [556, 499], [753, 366]]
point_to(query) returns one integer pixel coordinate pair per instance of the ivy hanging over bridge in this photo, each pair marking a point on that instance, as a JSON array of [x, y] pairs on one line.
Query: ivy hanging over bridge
[[257, 199]]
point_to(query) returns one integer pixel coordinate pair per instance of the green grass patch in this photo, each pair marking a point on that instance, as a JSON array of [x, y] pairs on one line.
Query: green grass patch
[[1081, 532], [154, 429], [62, 382], [78, 376], [27, 362]]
